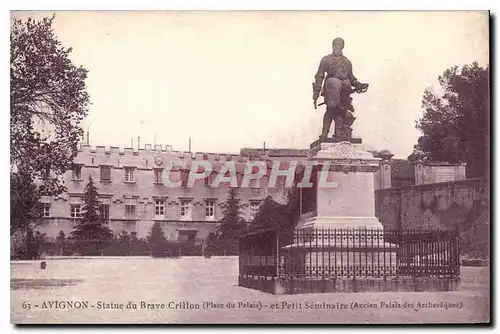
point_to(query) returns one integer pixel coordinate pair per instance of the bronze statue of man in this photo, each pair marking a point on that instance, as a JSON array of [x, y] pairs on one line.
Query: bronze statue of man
[[335, 81]]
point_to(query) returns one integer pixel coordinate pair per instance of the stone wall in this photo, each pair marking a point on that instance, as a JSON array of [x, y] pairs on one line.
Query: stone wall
[[460, 204]]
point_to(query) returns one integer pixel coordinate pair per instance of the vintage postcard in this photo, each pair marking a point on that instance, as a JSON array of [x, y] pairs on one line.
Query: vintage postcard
[[249, 167]]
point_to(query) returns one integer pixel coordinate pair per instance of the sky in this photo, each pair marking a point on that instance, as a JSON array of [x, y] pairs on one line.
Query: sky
[[229, 80]]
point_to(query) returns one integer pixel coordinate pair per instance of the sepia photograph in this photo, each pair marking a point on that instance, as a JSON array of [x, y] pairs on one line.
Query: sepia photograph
[[250, 167]]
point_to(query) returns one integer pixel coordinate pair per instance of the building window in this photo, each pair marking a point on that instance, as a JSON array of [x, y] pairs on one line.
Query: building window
[[209, 209], [130, 210], [254, 209], [105, 173], [129, 174], [76, 211], [76, 173], [254, 183], [104, 211], [160, 207], [185, 208], [158, 175], [46, 210]]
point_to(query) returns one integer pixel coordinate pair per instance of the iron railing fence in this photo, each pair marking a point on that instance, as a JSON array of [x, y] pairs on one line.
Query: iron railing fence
[[328, 253]]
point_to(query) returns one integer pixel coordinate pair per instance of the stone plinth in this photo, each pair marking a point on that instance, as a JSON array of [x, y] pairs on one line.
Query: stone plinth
[[345, 239], [350, 202]]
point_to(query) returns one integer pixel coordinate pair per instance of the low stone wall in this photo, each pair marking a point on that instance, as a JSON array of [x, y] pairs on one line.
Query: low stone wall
[[462, 205]]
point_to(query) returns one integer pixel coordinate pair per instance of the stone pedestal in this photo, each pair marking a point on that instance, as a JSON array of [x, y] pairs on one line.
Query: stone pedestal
[[351, 202], [341, 238]]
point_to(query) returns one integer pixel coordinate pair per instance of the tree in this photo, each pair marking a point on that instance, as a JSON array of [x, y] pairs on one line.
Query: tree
[[455, 124], [292, 207], [232, 222], [91, 226], [25, 207], [157, 241], [124, 236], [48, 100], [61, 241], [25, 210], [281, 217], [61, 238]]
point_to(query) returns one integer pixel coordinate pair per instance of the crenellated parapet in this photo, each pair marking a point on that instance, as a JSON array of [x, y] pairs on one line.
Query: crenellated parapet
[[155, 156], [151, 156]]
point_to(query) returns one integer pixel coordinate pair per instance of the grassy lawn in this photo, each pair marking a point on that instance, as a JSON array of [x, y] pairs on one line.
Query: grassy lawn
[[210, 285]]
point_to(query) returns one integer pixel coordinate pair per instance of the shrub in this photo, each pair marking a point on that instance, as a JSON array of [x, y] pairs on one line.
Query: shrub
[[157, 241]]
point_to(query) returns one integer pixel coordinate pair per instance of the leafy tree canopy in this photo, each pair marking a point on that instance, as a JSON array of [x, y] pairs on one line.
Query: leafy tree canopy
[[48, 100], [455, 124]]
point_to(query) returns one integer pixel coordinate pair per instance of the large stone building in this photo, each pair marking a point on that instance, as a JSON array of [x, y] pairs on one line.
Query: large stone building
[[133, 195]]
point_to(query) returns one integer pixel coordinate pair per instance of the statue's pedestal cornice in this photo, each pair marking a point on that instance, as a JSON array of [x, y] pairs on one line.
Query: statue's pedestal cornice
[[345, 155], [334, 140]]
